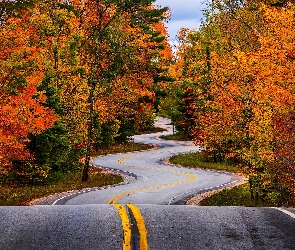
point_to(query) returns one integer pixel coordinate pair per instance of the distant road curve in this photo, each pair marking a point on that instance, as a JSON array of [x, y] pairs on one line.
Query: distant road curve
[[156, 182]]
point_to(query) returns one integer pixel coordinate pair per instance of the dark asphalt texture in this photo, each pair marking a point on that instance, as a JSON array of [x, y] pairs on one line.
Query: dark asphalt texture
[[169, 227]]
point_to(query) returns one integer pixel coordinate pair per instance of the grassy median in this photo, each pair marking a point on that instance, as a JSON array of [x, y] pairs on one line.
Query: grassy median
[[233, 196], [179, 136], [201, 160]]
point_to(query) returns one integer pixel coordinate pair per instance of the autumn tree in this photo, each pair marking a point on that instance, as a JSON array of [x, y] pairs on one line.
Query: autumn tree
[[239, 71], [97, 62], [64, 84], [14, 8], [22, 109], [115, 53]]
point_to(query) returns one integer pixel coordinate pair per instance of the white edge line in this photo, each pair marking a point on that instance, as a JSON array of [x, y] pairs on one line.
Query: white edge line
[[285, 211], [58, 200]]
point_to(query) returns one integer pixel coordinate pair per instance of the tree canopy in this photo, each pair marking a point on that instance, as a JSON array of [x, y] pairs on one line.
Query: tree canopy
[[76, 75], [235, 90]]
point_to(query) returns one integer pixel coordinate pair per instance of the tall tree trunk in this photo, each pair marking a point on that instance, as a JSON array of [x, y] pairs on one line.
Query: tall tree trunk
[[90, 132]]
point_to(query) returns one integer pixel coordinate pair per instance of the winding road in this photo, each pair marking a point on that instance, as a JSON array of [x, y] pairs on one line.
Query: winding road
[[156, 182], [142, 214]]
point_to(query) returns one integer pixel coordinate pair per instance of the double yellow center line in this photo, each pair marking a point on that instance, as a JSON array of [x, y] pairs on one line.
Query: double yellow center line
[[127, 229], [133, 212], [191, 177]]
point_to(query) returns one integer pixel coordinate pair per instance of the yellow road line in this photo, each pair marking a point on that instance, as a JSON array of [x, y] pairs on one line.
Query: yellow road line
[[126, 226], [143, 242], [192, 177]]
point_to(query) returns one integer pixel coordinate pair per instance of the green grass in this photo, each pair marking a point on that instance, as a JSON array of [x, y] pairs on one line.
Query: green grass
[[16, 194], [201, 160], [235, 196], [21, 195], [121, 148], [152, 130], [177, 137]]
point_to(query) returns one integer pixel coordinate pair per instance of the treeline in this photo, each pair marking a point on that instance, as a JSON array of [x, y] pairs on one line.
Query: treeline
[[75, 75], [235, 91]]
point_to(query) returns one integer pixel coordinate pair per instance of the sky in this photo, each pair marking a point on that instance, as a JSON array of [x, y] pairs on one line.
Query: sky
[[185, 13]]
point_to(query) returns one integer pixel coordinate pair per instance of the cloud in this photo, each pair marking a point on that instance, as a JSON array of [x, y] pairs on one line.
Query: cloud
[[184, 9], [185, 13]]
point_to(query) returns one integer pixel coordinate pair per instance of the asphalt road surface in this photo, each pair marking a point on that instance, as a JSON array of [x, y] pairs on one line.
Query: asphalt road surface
[[147, 213], [156, 183]]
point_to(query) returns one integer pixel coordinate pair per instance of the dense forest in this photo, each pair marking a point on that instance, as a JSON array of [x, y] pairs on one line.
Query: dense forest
[[234, 91], [76, 75]]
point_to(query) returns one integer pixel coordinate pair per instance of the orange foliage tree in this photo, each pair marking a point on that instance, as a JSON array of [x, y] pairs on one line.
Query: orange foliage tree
[[118, 51], [21, 107], [91, 66], [240, 95]]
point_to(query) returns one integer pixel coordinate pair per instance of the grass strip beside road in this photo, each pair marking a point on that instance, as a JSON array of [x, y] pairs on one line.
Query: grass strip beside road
[[234, 196], [121, 148], [152, 130], [179, 136], [16, 194], [201, 160]]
